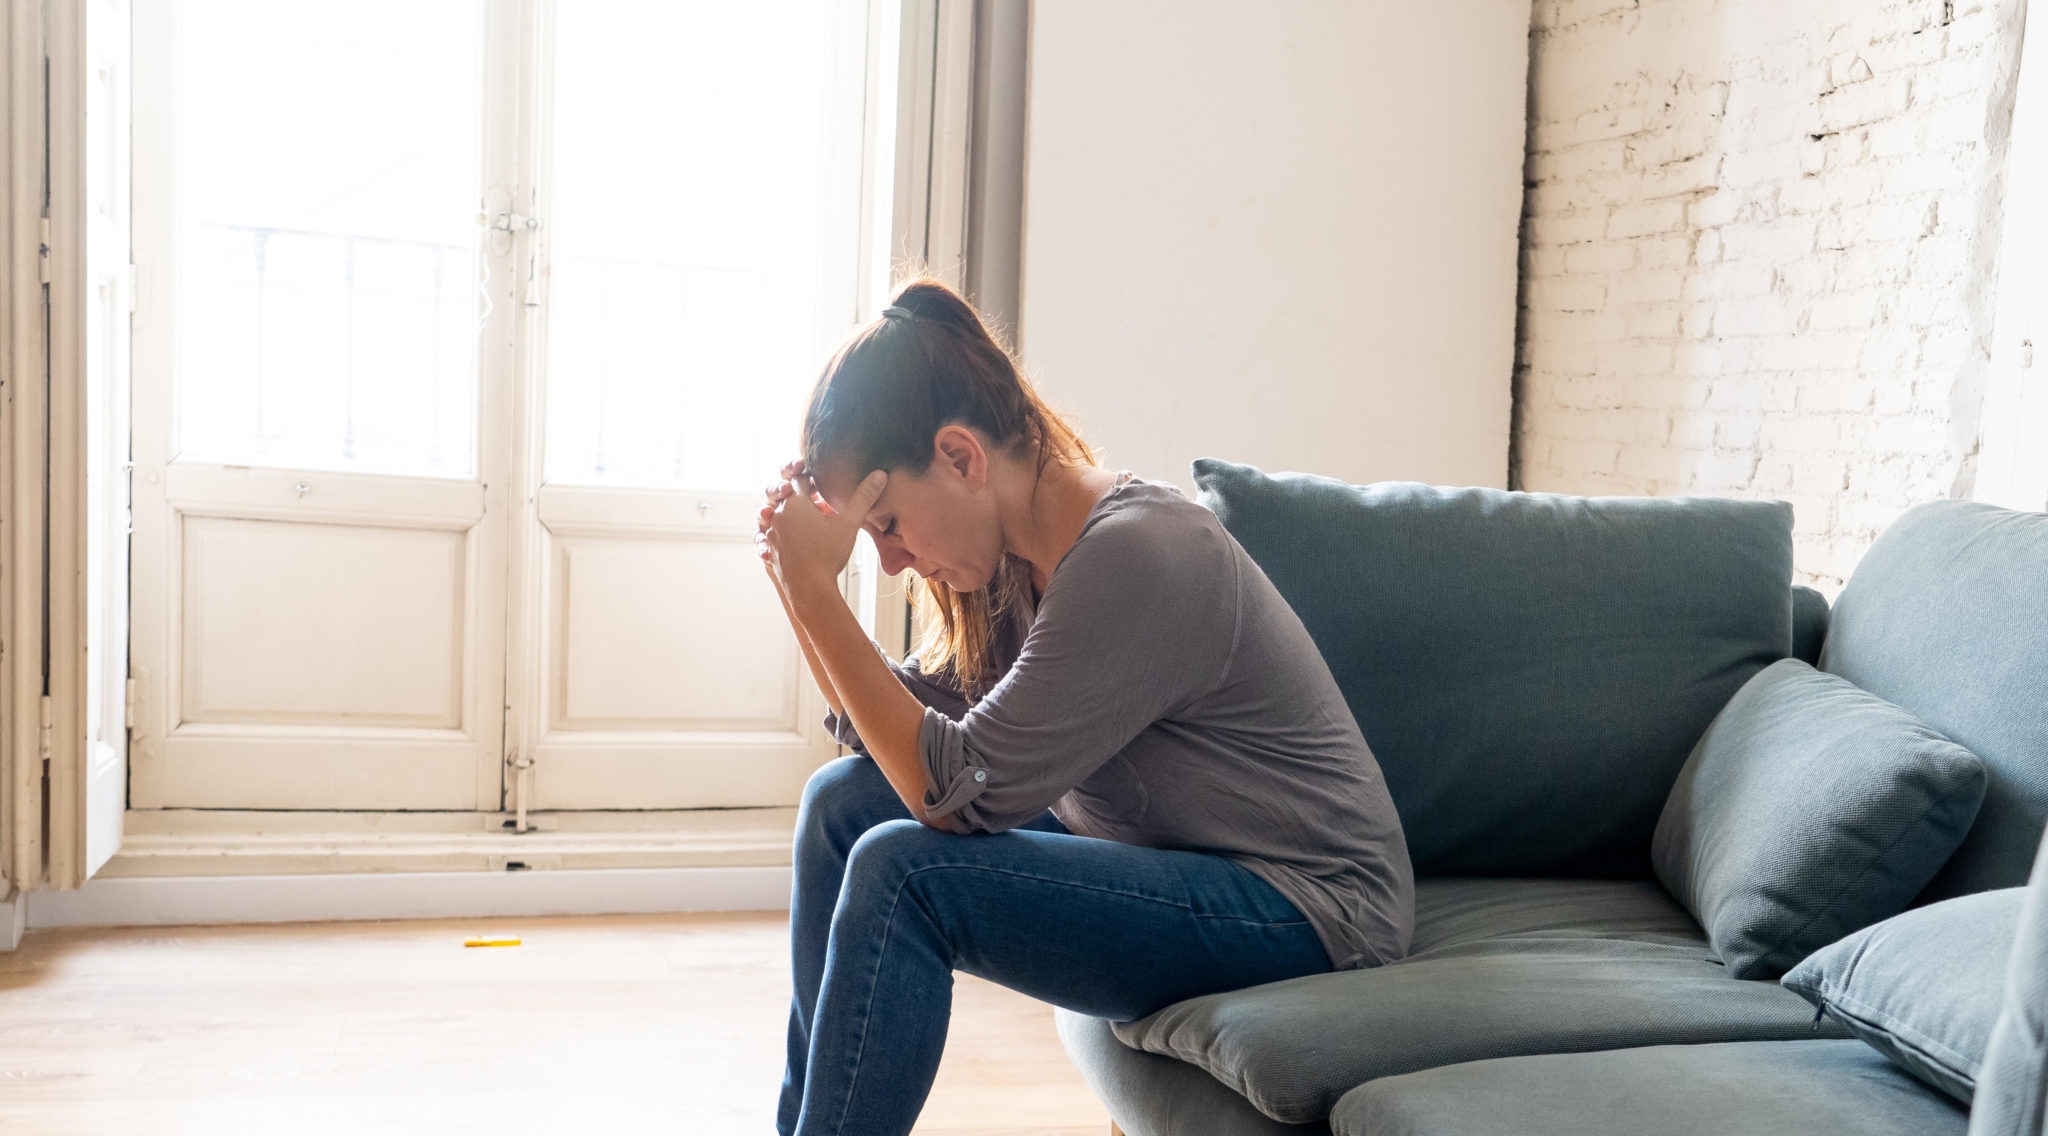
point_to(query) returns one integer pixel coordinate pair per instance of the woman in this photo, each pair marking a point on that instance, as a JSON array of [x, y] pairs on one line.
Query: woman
[[1116, 775]]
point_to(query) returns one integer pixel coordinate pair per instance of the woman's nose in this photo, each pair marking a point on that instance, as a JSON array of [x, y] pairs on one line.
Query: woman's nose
[[894, 559]]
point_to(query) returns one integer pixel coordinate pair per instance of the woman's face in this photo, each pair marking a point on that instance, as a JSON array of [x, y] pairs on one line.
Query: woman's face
[[942, 523]]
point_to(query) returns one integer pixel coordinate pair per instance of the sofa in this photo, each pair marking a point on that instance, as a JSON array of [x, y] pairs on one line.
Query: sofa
[[1654, 794]]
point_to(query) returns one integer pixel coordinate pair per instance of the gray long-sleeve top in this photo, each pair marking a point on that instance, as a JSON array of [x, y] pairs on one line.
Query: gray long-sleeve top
[[1163, 694]]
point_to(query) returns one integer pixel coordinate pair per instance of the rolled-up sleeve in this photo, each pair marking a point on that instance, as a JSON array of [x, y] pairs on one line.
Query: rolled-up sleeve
[[1137, 622], [946, 749]]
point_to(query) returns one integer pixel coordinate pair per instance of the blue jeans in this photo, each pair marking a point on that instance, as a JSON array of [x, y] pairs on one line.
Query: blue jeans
[[884, 910]]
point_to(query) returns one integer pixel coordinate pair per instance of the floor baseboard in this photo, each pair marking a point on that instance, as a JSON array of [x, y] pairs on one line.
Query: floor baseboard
[[163, 900]]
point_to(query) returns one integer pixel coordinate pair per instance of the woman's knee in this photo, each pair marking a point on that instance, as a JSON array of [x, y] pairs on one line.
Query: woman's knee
[[889, 851], [846, 792]]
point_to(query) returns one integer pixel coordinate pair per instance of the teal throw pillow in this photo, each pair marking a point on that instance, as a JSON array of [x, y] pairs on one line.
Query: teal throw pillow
[[1810, 809]]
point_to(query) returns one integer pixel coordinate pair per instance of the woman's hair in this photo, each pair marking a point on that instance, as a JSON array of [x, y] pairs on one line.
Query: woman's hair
[[881, 398]]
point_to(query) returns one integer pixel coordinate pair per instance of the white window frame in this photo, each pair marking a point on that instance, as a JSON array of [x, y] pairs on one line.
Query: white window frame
[[936, 191], [2012, 456]]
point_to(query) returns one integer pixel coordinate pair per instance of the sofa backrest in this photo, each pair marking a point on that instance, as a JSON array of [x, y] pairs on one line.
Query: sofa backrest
[[1947, 616], [1529, 669]]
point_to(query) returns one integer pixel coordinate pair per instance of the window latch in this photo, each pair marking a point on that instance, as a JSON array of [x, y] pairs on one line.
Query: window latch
[[507, 222]]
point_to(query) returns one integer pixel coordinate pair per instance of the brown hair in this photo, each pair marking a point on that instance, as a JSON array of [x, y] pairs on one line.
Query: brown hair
[[882, 396]]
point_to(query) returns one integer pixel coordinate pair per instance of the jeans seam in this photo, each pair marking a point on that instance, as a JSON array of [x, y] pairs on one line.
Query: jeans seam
[[868, 1012], [1187, 907]]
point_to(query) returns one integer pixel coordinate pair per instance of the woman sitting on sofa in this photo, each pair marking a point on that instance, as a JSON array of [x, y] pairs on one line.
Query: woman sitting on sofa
[[1116, 775]]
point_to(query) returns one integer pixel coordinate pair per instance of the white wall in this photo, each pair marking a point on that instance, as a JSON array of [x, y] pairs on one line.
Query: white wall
[[2012, 466], [1282, 234], [1762, 253]]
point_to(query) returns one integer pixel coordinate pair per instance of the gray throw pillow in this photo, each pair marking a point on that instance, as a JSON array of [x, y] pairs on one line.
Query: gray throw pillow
[[1808, 810], [1923, 988], [2012, 1085]]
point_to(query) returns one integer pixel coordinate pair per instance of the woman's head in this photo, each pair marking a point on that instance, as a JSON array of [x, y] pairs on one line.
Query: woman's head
[[928, 394]]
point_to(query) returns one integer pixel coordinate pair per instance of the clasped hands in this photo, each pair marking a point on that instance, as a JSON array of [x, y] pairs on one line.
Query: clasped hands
[[803, 541]]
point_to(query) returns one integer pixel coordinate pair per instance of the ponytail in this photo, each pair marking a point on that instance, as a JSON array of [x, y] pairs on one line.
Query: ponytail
[[928, 361]]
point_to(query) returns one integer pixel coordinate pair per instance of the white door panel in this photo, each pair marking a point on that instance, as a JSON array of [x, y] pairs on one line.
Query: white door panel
[[668, 635], [359, 625], [670, 677], [319, 609]]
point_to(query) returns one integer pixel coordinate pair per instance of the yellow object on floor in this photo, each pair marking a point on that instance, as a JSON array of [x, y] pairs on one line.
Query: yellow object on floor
[[490, 942]]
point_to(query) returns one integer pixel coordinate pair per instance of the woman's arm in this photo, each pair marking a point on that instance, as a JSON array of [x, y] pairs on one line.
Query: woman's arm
[[777, 493], [803, 640], [937, 691], [887, 716], [858, 678]]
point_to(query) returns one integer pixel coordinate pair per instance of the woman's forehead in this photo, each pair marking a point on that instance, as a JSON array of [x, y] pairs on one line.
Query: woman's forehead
[[836, 485]]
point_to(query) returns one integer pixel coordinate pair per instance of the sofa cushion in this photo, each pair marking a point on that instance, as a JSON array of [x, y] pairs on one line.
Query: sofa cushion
[[2012, 1084], [1767, 1087], [1809, 810], [1529, 669], [1499, 967], [1947, 616], [1150, 1095], [1923, 988], [1809, 623]]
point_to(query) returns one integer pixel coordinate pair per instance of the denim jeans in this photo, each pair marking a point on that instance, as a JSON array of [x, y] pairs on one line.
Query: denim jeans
[[884, 910]]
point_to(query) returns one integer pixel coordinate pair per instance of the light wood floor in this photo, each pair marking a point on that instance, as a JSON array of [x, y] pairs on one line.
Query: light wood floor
[[608, 1025]]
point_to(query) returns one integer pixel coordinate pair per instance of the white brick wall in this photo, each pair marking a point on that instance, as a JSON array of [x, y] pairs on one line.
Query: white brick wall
[[1759, 253]]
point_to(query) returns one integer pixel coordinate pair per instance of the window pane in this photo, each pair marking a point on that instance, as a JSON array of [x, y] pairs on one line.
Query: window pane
[[685, 236], [327, 192]]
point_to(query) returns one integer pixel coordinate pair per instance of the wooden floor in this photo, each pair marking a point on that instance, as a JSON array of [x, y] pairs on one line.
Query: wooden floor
[[613, 1025]]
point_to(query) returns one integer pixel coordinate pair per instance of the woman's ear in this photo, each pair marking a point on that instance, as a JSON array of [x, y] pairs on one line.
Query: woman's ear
[[960, 451]]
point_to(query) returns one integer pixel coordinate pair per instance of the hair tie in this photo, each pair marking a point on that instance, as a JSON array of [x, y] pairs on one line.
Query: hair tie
[[894, 311]]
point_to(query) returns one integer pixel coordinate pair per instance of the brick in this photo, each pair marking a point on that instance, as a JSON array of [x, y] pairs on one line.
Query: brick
[[1635, 359], [1600, 257], [1763, 315], [1673, 251], [1568, 229], [1847, 107], [1744, 278], [1776, 241], [1718, 208], [1646, 286], [1799, 434], [1841, 311], [1738, 432], [1855, 394], [1642, 220], [1725, 470], [1586, 455], [1683, 177], [1575, 162], [1566, 294], [1641, 463], [1570, 12]]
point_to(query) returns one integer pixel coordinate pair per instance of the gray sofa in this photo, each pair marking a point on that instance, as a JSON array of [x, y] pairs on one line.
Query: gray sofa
[[1535, 673]]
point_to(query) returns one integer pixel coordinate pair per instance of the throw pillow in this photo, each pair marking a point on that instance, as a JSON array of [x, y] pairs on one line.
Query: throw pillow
[[1923, 988], [1809, 810]]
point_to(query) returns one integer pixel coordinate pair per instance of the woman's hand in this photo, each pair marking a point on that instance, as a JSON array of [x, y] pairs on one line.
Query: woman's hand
[[776, 494], [804, 541]]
